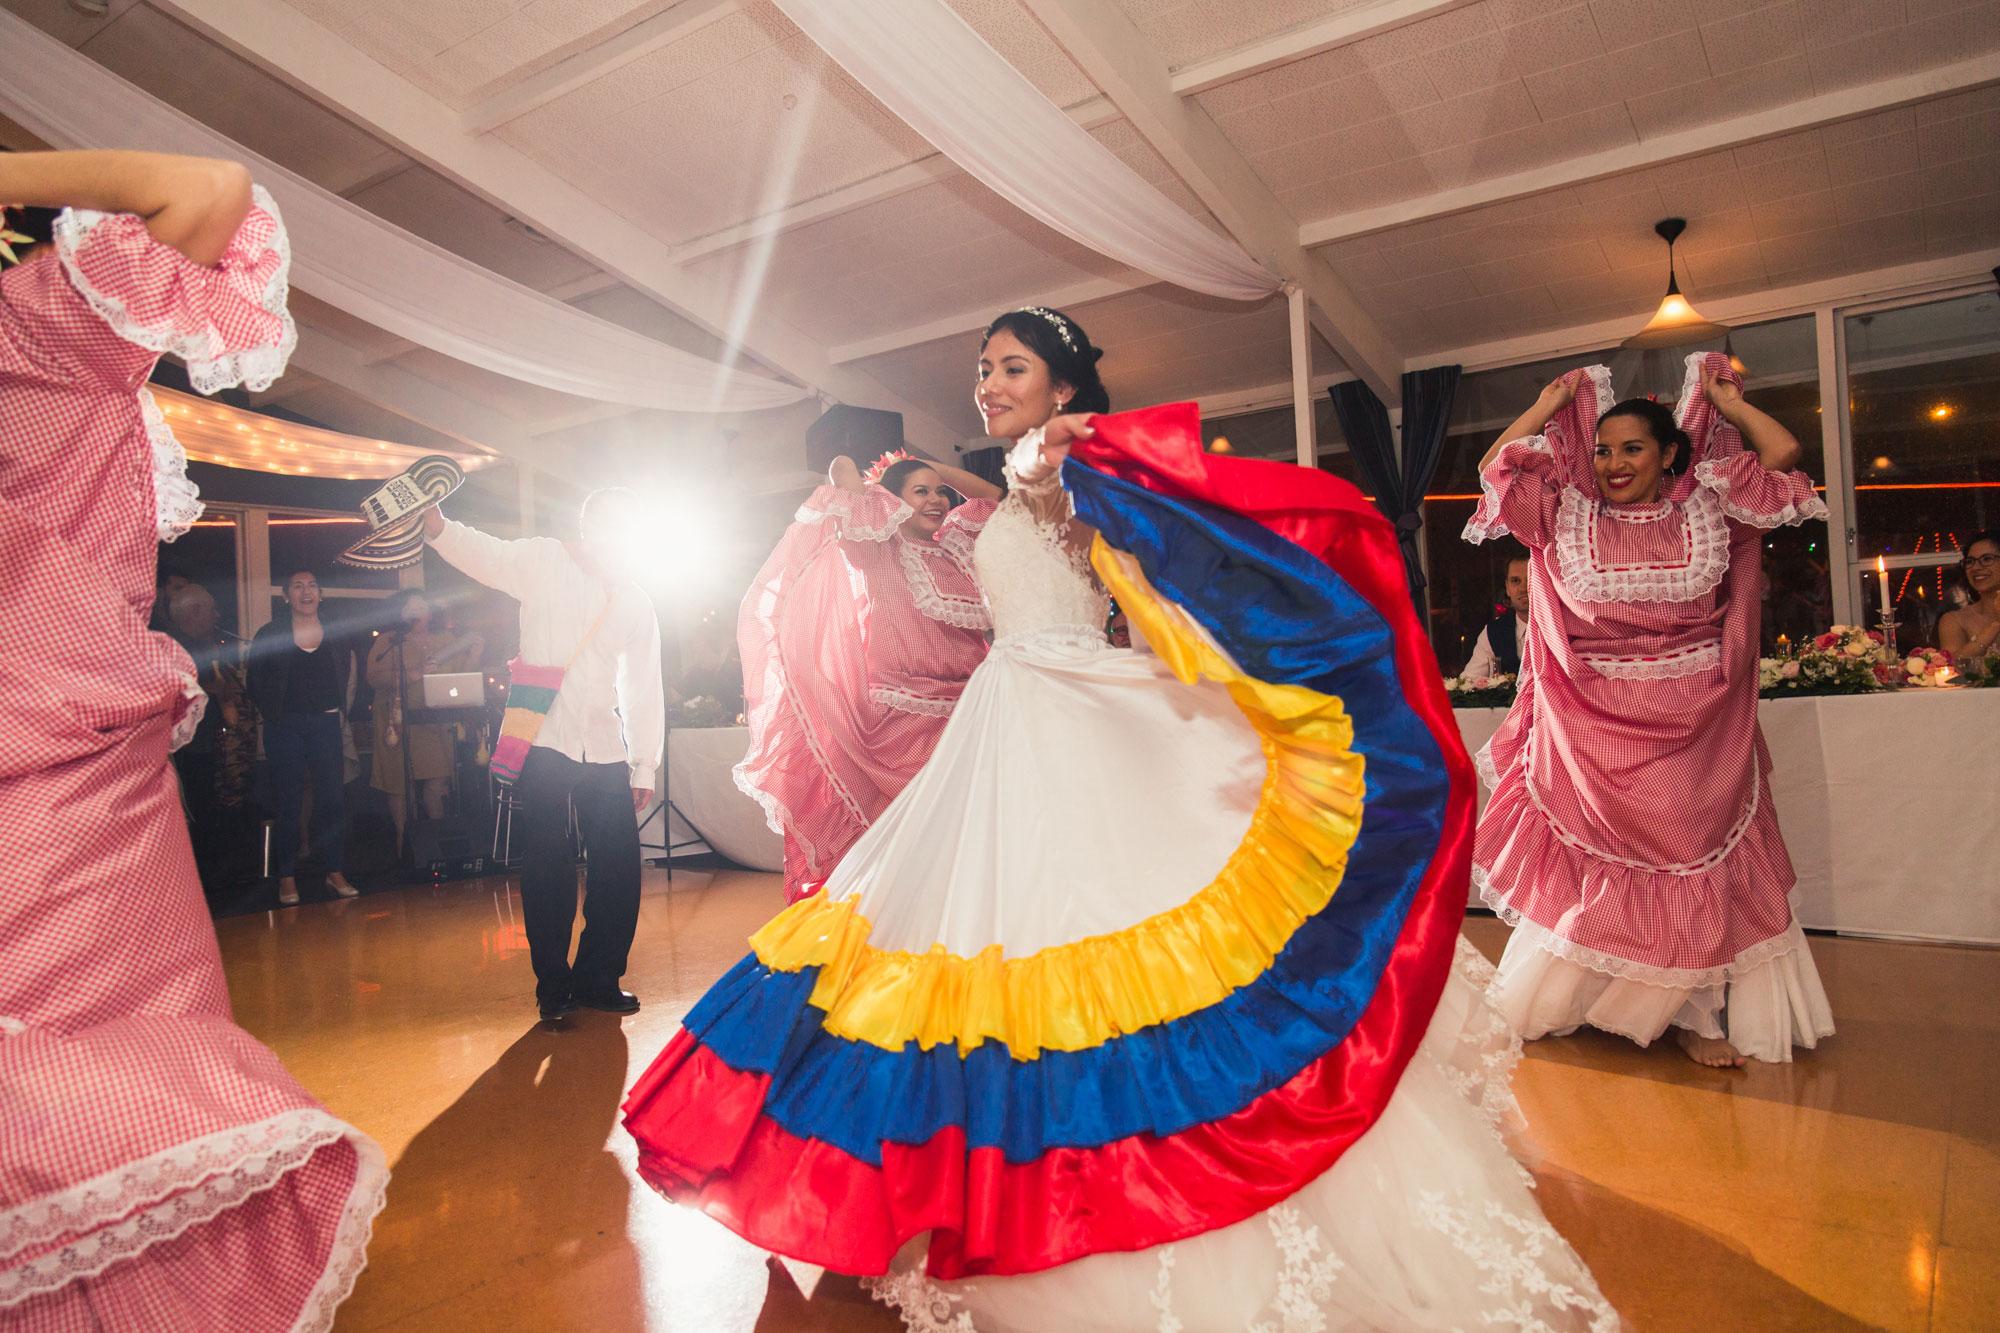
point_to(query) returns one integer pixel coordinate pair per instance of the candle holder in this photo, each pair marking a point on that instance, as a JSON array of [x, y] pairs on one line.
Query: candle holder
[[1888, 628]]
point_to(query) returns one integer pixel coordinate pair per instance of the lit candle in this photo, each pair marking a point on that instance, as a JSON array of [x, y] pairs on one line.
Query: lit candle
[[1882, 577]]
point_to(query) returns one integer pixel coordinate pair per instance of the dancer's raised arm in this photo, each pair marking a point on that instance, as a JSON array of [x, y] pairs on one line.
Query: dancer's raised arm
[[1553, 399], [1776, 448], [194, 204]]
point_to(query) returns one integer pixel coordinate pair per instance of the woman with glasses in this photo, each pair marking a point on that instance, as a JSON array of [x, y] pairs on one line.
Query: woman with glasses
[[1973, 631]]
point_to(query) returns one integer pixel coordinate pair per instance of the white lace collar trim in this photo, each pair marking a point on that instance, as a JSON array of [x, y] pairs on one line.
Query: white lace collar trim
[[1694, 572], [943, 607]]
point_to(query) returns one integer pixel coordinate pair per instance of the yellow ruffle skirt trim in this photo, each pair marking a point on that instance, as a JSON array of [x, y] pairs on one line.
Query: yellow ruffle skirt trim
[[1074, 996]]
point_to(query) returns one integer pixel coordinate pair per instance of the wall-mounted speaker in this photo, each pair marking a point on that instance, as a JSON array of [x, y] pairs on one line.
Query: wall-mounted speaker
[[863, 434]]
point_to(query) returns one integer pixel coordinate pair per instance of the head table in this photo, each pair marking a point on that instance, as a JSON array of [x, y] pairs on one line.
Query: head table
[[1890, 806]]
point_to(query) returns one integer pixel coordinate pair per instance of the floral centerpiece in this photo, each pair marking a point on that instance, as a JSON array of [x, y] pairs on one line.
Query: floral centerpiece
[[1480, 691], [1926, 667], [703, 710], [1847, 659]]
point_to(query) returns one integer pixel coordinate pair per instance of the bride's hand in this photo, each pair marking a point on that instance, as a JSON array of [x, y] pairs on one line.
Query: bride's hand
[[1060, 433]]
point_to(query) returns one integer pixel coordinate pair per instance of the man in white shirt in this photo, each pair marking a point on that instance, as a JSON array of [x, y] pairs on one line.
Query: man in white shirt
[[1509, 628], [599, 747]]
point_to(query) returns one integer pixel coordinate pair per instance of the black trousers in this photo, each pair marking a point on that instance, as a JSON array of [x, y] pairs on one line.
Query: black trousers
[[602, 794]]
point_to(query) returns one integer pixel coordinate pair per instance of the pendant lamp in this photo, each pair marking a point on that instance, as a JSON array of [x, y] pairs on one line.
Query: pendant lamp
[[1677, 322]]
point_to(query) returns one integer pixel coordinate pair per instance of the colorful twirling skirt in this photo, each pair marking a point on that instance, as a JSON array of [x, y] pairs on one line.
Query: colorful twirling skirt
[[1129, 1006]]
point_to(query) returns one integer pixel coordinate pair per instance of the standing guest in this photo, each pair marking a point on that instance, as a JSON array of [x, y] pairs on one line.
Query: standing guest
[[159, 1169], [1498, 649], [1630, 837], [858, 635], [599, 745], [1973, 630], [399, 659], [299, 679]]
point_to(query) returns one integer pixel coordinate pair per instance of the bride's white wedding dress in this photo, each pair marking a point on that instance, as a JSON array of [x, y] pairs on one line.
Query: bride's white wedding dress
[[1104, 854]]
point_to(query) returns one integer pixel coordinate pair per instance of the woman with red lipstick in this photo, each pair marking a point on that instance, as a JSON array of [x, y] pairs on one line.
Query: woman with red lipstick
[[857, 637], [1630, 837]]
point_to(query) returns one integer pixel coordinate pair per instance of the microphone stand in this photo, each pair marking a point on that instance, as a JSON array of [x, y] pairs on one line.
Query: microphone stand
[[407, 854]]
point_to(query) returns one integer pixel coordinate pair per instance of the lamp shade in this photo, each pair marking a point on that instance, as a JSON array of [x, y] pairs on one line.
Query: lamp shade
[[1676, 321]]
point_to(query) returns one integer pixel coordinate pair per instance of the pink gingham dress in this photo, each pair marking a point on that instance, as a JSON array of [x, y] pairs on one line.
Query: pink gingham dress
[[856, 644], [1630, 828], [159, 1169]]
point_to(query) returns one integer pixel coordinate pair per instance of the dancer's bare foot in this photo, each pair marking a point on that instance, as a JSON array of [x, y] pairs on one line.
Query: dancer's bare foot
[[288, 892], [338, 883], [1711, 1051]]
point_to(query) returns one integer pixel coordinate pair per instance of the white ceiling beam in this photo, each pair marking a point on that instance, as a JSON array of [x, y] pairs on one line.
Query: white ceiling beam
[[1307, 40], [521, 95], [1806, 114], [576, 289], [1925, 277], [287, 44], [965, 321], [1121, 62], [1089, 113]]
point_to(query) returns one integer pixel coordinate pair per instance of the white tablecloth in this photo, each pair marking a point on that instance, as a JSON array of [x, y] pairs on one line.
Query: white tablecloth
[[1890, 806], [712, 807]]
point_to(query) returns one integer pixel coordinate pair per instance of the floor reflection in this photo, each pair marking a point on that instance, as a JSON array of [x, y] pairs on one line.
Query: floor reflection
[[1856, 1188]]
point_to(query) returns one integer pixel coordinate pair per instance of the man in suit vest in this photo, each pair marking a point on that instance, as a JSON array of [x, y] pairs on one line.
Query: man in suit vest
[[1498, 649]]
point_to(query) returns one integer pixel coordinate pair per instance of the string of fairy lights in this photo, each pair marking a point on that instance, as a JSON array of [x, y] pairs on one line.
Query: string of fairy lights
[[214, 432]]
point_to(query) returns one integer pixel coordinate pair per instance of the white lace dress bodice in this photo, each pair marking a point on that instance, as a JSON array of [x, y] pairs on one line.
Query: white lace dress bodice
[[1032, 578]]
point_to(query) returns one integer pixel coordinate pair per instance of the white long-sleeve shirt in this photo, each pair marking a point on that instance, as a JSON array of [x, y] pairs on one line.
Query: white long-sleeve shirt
[[612, 707], [1484, 662]]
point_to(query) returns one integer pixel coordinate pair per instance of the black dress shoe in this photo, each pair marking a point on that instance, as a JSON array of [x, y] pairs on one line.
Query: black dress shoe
[[614, 1002], [557, 1008]]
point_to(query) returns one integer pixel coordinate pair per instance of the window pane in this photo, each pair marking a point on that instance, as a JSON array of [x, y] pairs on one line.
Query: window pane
[[1781, 366], [1924, 397]]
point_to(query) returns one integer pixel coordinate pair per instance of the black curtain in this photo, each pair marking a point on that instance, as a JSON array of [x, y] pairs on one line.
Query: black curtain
[[1400, 485]]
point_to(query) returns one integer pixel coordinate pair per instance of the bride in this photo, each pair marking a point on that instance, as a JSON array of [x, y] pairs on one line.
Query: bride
[[1139, 1008]]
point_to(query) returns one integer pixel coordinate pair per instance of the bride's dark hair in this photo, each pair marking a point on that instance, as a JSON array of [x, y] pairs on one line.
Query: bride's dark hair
[[1061, 342]]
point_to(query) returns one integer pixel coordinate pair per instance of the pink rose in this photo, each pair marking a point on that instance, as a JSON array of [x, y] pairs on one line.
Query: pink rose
[[1826, 641], [1789, 670]]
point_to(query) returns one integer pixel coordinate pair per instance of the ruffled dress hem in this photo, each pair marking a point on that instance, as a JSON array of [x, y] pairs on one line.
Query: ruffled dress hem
[[1772, 1001]]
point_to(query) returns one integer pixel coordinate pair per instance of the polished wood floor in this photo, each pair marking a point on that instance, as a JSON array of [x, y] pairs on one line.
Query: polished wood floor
[[1858, 1188]]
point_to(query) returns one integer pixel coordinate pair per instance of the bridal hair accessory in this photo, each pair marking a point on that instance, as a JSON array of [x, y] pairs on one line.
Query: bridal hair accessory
[[881, 467], [395, 513], [9, 238], [1060, 322]]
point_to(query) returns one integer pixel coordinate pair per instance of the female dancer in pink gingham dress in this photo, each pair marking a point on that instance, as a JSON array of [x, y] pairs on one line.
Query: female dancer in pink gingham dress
[[1630, 837], [159, 1169], [858, 636]]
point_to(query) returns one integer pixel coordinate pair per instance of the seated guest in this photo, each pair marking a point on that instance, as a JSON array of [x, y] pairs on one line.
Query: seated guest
[[1974, 629], [1498, 648], [193, 621], [714, 667]]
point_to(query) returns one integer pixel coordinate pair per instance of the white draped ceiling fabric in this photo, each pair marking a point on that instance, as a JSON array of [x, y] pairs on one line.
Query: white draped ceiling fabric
[[926, 64], [373, 270]]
